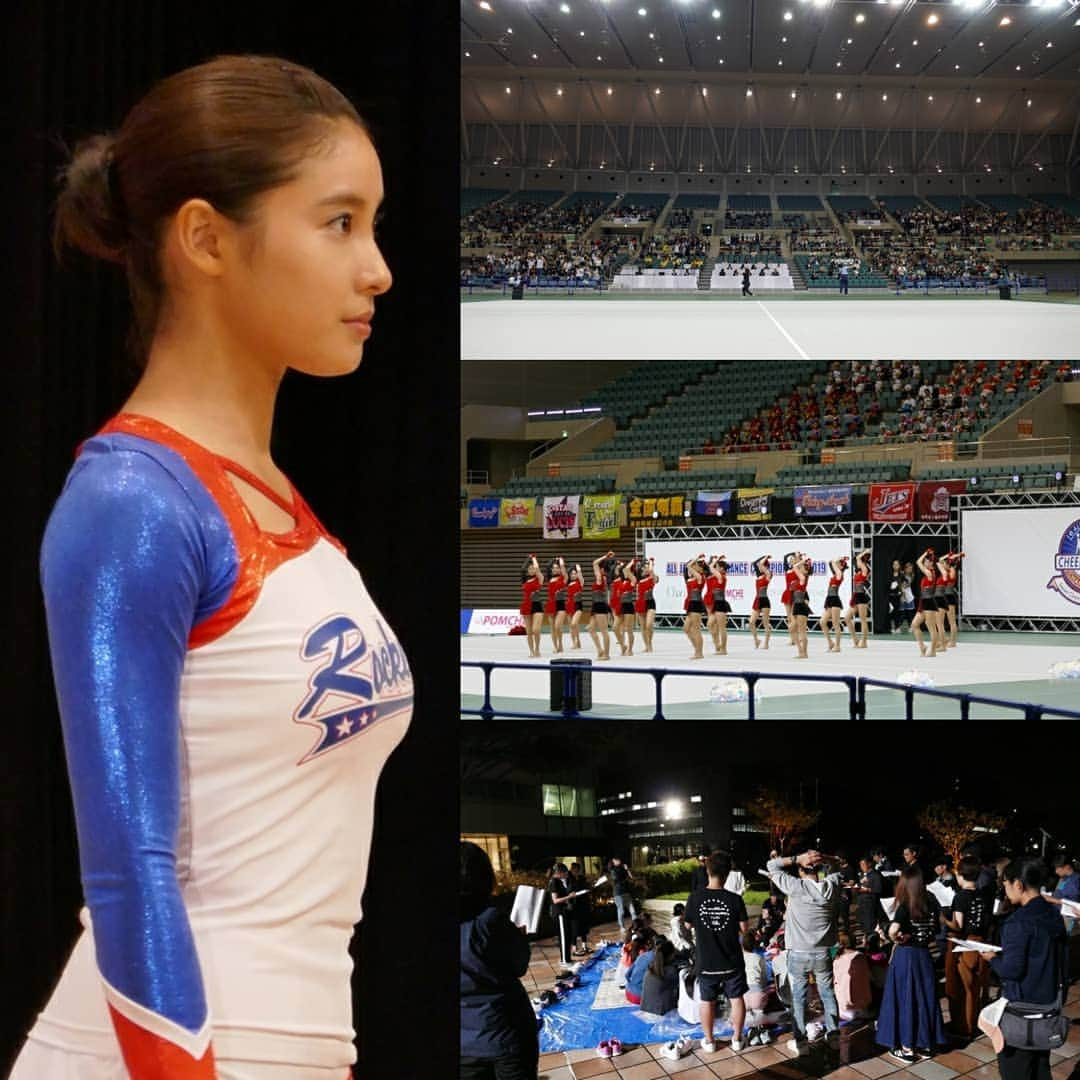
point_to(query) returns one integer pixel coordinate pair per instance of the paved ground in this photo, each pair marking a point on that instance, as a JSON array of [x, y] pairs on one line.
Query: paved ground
[[857, 1058]]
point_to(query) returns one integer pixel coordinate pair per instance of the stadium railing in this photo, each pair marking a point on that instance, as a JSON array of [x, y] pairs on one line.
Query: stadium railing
[[856, 686]]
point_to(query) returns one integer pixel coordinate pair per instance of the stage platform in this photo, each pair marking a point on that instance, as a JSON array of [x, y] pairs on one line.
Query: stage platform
[[1009, 666]]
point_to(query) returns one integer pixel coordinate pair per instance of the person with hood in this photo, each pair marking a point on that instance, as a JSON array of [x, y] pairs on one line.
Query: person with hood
[[810, 932], [498, 1026]]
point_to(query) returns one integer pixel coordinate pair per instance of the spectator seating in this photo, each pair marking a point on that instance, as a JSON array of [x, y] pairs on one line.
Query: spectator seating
[[639, 205], [1009, 204], [744, 203], [473, 198], [569, 483], [1033, 474], [635, 391], [697, 202], [809, 203], [860, 472], [692, 480]]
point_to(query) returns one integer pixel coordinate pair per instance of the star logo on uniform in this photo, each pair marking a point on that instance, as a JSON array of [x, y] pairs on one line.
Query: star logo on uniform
[[345, 727]]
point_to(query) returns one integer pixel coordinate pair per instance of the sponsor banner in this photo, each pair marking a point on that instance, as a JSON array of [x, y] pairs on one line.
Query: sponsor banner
[[672, 555], [823, 501], [934, 498], [712, 504], [484, 513], [892, 502], [517, 512], [1042, 548], [660, 511], [562, 517], [754, 504], [600, 517], [491, 620]]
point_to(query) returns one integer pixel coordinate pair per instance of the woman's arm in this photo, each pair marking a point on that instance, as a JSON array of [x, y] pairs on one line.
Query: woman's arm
[[123, 567]]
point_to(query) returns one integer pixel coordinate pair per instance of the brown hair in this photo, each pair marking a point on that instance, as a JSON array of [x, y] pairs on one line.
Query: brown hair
[[911, 892], [226, 131]]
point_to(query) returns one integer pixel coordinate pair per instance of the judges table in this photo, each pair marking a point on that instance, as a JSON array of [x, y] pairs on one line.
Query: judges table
[[732, 276]]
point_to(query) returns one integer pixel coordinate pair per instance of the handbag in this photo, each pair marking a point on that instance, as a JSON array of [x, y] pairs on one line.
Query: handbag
[[1034, 1027]]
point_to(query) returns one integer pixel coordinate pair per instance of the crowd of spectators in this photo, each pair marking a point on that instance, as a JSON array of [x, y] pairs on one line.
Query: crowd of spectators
[[581, 260], [573, 219], [748, 219], [674, 250], [499, 222], [917, 257], [630, 211], [827, 251], [735, 247], [680, 219], [863, 213]]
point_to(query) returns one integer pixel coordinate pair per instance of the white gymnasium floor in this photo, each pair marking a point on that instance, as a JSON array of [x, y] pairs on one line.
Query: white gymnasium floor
[[822, 329], [1007, 666]]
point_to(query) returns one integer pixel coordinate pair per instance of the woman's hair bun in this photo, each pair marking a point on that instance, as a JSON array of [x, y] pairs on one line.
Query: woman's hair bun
[[89, 208]]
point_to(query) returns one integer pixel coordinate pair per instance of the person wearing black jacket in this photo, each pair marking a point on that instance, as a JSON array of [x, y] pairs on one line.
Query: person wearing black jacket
[[580, 907], [869, 890], [558, 889], [1032, 963], [498, 1026], [699, 876]]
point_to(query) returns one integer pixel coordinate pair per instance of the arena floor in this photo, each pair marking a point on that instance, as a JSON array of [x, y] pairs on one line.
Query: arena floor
[[1009, 666], [819, 328]]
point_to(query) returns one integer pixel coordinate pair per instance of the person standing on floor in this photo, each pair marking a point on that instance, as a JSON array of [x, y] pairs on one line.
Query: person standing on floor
[[1032, 964], [869, 891], [558, 889], [810, 932], [719, 920], [498, 1025], [967, 974], [621, 879], [746, 282], [580, 906]]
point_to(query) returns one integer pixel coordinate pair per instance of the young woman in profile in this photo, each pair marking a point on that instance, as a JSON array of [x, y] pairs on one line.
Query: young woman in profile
[[761, 609], [227, 688]]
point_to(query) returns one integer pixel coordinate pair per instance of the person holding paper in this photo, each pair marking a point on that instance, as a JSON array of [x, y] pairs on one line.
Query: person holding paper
[[1067, 888], [967, 974], [910, 1019], [869, 890], [810, 932], [558, 888], [498, 1025], [620, 887], [1032, 961]]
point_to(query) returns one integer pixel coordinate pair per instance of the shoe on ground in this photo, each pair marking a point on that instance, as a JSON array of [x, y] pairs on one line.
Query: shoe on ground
[[737, 1045], [908, 1057], [708, 1045], [616, 1047], [796, 1047], [677, 1049], [604, 1049]]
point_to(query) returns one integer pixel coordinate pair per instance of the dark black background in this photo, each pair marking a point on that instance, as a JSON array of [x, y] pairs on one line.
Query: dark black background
[[374, 453]]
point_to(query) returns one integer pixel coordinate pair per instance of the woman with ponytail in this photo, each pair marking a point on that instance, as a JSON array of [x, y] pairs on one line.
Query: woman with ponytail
[[202, 621]]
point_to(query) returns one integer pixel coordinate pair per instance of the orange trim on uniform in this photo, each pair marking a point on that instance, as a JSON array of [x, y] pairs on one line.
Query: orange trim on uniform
[[150, 1057], [258, 553]]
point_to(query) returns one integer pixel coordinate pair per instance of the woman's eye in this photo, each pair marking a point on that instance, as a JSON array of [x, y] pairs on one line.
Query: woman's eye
[[347, 218]]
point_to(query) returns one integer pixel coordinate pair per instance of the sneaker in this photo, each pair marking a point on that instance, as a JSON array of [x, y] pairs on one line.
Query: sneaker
[[673, 1051], [737, 1045], [604, 1049], [908, 1057], [764, 1037], [616, 1047], [797, 1047], [708, 1045]]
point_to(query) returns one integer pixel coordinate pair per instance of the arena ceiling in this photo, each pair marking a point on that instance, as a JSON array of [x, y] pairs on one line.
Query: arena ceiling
[[879, 64]]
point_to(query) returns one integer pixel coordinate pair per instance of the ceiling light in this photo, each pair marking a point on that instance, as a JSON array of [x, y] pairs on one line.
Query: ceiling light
[[581, 33], [978, 101], [956, 67], [839, 95], [783, 41], [719, 37], [1049, 44], [794, 94], [860, 17], [838, 63], [657, 90], [1017, 67], [508, 90], [642, 12], [849, 40], [749, 91], [484, 5], [652, 36], [787, 16], [884, 97], [720, 61], [564, 8], [1005, 21], [559, 91], [467, 53], [931, 20], [509, 29], [930, 97], [716, 13], [704, 91], [915, 41], [660, 59], [898, 65], [600, 59], [1029, 103], [610, 91], [779, 63], [981, 44], [534, 56]]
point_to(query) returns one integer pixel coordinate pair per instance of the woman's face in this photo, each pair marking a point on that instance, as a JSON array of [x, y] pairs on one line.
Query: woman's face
[[315, 264], [1014, 891]]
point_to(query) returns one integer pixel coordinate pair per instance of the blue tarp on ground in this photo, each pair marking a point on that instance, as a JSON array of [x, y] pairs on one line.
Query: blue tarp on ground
[[573, 1024]]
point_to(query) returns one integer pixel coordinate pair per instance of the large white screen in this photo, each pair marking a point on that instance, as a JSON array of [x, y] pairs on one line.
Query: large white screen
[[1011, 556], [672, 555]]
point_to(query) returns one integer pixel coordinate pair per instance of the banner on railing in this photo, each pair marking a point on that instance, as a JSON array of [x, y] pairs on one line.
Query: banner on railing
[[754, 504], [660, 511], [490, 620], [514, 513], [712, 504], [892, 502], [484, 513], [823, 501], [562, 517], [600, 517], [934, 498]]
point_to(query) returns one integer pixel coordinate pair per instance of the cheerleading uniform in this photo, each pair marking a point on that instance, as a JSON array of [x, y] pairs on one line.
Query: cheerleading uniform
[[599, 595], [761, 594], [645, 600], [927, 596], [952, 597], [941, 587], [800, 598], [228, 698], [531, 603], [571, 596], [859, 595], [556, 595], [627, 596], [832, 594], [791, 579], [716, 594], [694, 604]]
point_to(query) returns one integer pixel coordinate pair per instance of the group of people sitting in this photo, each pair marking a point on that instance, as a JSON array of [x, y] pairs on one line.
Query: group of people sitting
[[531, 258], [674, 250], [740, 247]]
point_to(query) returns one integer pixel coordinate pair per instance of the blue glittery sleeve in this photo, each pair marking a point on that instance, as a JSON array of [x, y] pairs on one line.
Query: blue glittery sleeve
[[126, 571]]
